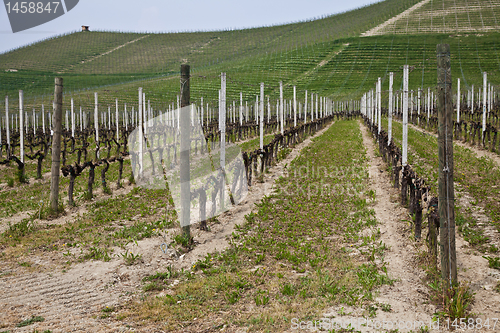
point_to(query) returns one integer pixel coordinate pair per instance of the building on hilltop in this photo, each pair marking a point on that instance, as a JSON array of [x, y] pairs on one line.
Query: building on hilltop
[[85, 28]]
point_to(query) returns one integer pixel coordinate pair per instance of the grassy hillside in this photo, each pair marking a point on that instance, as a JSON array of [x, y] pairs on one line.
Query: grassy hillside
[[448, 16], [341, 69], [98, 55], [306, 54]]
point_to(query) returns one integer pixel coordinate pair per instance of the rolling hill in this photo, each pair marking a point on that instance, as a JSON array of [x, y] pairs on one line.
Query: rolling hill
[[340, 56]]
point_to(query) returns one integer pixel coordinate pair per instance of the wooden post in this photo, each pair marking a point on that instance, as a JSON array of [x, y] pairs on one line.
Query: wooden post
[[125, 119], [117, 122], [317, 116], [109, 118], [141, 133], [222, 129], [305, 109], [312, 107], [485, 80], [96, 121], [261, 117], [404, 159], [379, 102], [56, 144], [241, 108], [445, 145], [72, 118], [391, 106], [458, 100], [294, 106], [472, 100], [281, 108], [7, 125], [428, 105], [268, 110], [184, 153], [21, 126]]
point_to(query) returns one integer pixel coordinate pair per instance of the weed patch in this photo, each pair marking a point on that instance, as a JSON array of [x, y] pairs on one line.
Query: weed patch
[[290, 255]]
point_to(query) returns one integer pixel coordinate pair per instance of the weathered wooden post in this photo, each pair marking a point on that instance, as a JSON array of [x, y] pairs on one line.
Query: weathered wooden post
[[125, 119], [405, 116], [72, 118], [7, 125], [404, 154], [21, 126], [281, 108], [446, 203], [141, 133], [458, 101], [428, 105], [96, 122], [117, 122], [391, 107], [81, 119], [379, 104], [56, 144], [305, 109], [222, 129], [241, 108], [184, 154], [485, 80], [261, 117]]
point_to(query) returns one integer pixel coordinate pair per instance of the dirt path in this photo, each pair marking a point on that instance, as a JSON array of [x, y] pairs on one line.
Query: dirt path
[[408, 296], [463, 197], [323, 62], [74, 300], [216, 240], [379, 30], [103, 54], [471, 264], [480, 152]]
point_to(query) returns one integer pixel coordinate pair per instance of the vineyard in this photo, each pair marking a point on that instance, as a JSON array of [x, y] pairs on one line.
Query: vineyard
[[313, 153]]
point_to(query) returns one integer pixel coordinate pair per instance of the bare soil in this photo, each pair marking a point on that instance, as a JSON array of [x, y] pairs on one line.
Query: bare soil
[[74, 300], [409, 296]]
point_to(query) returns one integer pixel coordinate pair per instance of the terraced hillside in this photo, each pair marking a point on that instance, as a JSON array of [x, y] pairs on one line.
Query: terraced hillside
[[444, 16], [324, 56], [325, 231], [102, 58]]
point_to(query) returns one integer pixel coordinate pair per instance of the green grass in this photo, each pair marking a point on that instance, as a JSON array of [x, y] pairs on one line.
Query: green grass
[[474, 174], [283, 262], [253, 144], [108, 223], [343, 75], [250, 56], [30, 321], [448, 16], [162, 53], [493, 262]]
